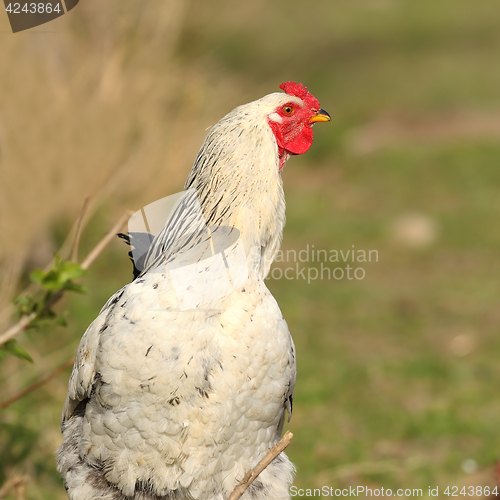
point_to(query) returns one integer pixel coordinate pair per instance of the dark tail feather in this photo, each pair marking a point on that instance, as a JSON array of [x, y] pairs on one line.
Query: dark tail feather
[[139, 243]]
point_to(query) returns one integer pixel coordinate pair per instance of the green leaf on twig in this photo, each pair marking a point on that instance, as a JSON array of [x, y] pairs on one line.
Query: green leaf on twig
[[60, 276], [57, 279], [12, 347]]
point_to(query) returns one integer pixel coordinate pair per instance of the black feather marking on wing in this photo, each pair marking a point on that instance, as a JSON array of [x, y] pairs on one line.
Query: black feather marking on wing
[[140, 244]]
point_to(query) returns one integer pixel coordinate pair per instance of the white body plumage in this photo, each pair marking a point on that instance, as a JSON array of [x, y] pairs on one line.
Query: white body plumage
[[166, 404]]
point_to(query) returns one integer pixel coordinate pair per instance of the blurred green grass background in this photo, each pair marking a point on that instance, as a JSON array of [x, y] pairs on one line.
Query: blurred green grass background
[[398, 373]]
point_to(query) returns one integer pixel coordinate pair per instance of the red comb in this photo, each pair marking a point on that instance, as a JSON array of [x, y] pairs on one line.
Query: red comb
[[298, 90]]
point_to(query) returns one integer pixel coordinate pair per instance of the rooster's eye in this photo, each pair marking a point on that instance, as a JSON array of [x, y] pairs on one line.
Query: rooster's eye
[[288, 110]]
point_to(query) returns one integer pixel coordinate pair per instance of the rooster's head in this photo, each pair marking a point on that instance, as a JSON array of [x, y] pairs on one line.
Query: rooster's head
[[292, 122]]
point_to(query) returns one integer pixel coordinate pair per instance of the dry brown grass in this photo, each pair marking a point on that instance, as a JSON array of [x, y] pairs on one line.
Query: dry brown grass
[[102, 107]]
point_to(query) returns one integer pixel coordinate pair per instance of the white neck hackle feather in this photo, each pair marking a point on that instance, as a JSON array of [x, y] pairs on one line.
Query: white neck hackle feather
[[238, 181]]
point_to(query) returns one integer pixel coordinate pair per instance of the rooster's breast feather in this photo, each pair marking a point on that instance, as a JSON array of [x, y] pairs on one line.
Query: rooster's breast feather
[[181, 390]]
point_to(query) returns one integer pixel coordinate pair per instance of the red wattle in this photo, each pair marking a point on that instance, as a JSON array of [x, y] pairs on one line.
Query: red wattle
[[301, 143]]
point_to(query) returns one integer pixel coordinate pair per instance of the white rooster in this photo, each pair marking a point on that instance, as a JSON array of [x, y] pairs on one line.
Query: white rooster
[[171, 404]]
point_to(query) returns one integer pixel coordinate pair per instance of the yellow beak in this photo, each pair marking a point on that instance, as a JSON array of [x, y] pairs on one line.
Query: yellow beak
[[320, 116]]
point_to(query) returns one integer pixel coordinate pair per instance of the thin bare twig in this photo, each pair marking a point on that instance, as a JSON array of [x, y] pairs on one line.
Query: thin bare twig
[[25, 321], [96, 251], [36, 385], [251, 475], [78, 230], [20, 326]]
